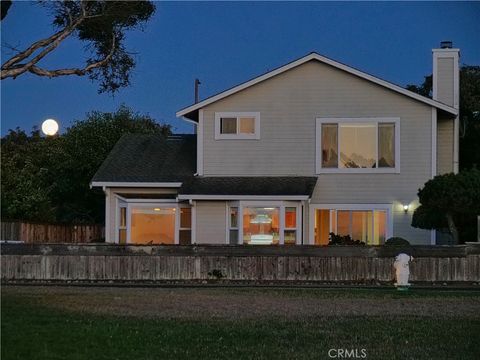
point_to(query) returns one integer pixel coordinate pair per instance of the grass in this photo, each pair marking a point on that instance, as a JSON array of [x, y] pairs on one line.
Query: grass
[[33, 331]]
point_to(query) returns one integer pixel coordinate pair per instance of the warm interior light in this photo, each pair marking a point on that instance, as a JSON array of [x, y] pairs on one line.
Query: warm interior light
[[405, 207], [156, 209], [49, 127]]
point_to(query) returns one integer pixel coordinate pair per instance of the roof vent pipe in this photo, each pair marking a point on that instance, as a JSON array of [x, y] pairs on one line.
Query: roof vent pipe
[[446, 44], [197, 82]]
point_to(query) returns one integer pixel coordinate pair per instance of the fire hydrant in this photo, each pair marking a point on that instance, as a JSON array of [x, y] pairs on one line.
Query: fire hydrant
[[402, 270]]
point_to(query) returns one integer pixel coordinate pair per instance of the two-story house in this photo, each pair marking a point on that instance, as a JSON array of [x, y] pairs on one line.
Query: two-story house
[[310, 148]]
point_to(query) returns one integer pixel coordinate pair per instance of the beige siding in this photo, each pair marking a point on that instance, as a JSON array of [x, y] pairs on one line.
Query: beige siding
[[289, 104], [445, 71], [445, 146], [210, 222]]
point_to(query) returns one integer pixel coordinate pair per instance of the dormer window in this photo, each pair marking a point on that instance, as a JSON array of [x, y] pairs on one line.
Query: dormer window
[[237, 125], [358, 145]]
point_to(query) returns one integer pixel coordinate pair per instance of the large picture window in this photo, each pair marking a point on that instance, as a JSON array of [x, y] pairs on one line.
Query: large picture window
[[264, 223], [358, 145], [152, 225], [261, 225]]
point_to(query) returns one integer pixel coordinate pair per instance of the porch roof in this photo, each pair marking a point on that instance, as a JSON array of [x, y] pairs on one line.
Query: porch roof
[[227, 187]]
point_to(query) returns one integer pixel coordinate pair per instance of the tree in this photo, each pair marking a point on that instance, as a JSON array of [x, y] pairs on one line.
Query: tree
[[5, 6], [101, 25], [469, 113], [47, 179], [450, 202], [25, 189]]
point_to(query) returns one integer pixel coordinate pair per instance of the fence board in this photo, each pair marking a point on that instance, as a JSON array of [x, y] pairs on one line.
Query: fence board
[[107, 263], [32, 233]]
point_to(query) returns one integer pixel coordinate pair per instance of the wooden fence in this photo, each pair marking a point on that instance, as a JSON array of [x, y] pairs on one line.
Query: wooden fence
[[300, 264], [34, 233]]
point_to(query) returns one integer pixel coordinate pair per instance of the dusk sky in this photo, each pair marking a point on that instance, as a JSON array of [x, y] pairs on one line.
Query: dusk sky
[[224, 44]]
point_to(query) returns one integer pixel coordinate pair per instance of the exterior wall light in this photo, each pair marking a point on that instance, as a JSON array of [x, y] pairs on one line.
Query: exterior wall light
[[406, 207]]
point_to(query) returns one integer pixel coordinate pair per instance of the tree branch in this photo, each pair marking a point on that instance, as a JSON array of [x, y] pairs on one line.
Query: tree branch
[[74, 71], [8, 68]]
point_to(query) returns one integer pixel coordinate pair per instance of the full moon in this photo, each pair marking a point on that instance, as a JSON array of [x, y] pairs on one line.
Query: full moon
[[50, 127]]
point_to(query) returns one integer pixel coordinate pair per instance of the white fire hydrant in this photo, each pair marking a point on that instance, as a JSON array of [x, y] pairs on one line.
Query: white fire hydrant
[[402, 269]]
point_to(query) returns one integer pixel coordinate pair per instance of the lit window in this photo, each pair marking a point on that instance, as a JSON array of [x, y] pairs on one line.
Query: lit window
[[368, 226], [185, 231], [233, 225], [122, 226], [241, 125], [152, 225], [261, 225], [228, 125], [362, 144], [290, 232], [247, 125]]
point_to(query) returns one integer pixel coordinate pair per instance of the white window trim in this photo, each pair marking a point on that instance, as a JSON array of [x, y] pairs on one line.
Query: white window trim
[[331, 120], [228, 206], [237, 136], [366, 207], [200, 143], [119, 203], [280, 204]]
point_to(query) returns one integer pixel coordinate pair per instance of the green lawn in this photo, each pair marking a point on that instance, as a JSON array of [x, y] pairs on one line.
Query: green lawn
[[34, 329]]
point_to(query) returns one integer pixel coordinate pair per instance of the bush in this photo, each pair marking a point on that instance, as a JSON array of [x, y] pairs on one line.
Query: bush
[[343, 240], [397, 241]]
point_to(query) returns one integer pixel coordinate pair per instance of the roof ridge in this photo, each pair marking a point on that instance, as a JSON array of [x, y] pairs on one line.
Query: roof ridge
[[325, 60]]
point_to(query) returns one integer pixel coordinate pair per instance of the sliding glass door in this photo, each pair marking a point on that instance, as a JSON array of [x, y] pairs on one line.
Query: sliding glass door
[[369, 226]]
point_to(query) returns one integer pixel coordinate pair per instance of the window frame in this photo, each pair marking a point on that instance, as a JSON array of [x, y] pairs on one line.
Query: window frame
[[238, 135], [374, 120], [350, 207], [129, 204], [240, 205]]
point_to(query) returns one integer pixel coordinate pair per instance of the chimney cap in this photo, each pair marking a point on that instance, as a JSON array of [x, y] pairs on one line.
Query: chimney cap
[[447, 44]]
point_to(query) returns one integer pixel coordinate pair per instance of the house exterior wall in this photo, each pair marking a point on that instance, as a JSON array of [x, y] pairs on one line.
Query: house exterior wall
[[445, 136], [289, 105], [210, 222]]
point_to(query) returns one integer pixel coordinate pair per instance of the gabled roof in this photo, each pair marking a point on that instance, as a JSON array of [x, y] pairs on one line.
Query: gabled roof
[[148, 160], [230, 187], [190, 112]]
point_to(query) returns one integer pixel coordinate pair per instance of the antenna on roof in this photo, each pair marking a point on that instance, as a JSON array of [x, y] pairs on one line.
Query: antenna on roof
[[197, 82]]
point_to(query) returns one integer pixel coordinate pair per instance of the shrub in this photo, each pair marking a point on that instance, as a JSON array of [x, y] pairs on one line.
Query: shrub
[[216, 273], [343, 240], [397, 241]]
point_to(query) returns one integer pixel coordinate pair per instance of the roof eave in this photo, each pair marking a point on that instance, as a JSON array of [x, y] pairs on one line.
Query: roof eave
[[192, 110]]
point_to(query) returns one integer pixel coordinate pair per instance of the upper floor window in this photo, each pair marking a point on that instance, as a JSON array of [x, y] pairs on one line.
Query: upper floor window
[[358, 145], [237, 125]]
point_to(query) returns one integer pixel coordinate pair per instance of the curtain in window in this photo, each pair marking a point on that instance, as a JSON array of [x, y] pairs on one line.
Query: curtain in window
[[228, 125], [247, 125], [386, 145], [329, 145]]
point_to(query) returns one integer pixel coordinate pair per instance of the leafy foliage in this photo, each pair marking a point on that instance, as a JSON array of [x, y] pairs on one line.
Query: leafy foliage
[[425, 89], [450, 201], [470, 117], [101, 26], [47, 179], [397, 241], [343, 240], [469, 113]]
